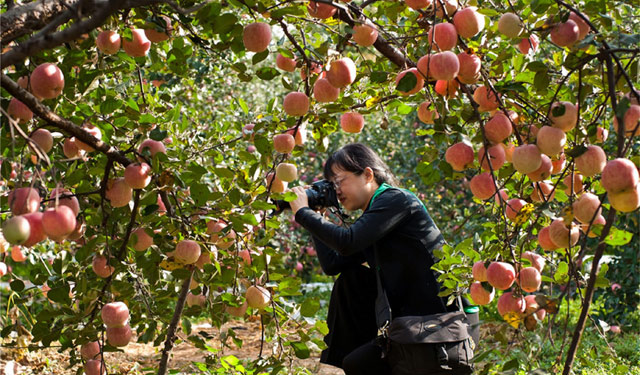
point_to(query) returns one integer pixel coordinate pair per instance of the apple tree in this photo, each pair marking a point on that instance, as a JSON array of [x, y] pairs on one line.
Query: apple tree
[[143, 142]]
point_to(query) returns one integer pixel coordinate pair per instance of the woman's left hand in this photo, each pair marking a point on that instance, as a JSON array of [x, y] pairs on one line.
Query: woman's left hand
[[301, 201]]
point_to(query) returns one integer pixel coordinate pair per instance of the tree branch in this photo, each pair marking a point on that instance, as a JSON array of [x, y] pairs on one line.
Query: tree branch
[[171, 331], [61, 123], [24, 19]]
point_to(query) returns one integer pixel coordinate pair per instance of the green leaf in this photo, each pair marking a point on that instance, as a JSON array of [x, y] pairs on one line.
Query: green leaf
[[110, 105], [243, 105], [301, 349], [310, 307], [378, 77], [17, 285], [561, 271], [618, 237], [258, 57], [407, 83], [540, 6], [267, 73], [157, 134], [293, 11], [541, 80]]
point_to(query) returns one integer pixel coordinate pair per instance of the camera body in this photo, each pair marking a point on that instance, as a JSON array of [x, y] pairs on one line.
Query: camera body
[[322, 194]]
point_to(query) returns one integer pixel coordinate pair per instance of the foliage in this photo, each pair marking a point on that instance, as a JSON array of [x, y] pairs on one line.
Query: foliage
[[196, 91]]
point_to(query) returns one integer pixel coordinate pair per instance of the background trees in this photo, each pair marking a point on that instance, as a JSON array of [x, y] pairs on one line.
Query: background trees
[[533, 93]]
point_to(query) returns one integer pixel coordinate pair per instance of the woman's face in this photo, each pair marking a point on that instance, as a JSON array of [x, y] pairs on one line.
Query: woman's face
[[354, 190]]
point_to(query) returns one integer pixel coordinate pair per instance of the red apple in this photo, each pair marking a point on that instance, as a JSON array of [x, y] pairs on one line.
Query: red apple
[[140, 240], [529, 279], [365, 34], [494, 155], [480, 295], [296, 104], [514, 205], [138, 46], [90, 350], [24, 200], [108, 42], [287, 64], [592, 161], [36, 230], [47, 81], [342, 72], [501, 275], [509, 302], [94, 131], [443, 66], [551, 140], [586, 207], [115, 314], [119, 336], [70, 148], [626, 200], [529, 44], [565, 34], [537, 261], [284, 143], [19, 111], [196, 300], [320, 10], [485, 98], [43, 138], [101, 266], [352, 122], [95, 367], [156, 36], [237, 311], [187, 251], [426, 114], [58, 222], [563, 115], [631, 122], [418, 4], [151, 146], [448, 89], [562, 235], [325, 92], [65, 198], [470, 65], [479, 271], [482, 186], [573, 184], [583, 26], [543, 172], [544, 240], [118, 192], [277, 186], [527, 158], [137, 175], [619, 175], [468, 22], [498, 128], [459, 156], [257, 297], [443, 36], [532, 305], [542, 191]]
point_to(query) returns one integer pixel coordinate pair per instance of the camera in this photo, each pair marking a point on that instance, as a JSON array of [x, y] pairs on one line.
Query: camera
[[322, 194]]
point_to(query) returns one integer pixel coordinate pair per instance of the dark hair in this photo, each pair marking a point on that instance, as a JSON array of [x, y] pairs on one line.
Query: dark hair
[[355, 157]]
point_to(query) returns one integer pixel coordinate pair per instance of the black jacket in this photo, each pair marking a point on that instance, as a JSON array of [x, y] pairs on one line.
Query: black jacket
[[405, 235]]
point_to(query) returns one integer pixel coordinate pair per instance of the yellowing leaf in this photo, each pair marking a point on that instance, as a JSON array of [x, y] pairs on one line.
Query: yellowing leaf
[[373, 101], [524, 214], [170, 265], [513, 318]]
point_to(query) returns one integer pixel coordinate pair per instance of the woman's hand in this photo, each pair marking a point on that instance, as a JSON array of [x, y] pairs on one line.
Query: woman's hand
[[301, 201]]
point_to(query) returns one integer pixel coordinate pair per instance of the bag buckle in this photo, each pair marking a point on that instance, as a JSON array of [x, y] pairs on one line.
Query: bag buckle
[[384, 330]]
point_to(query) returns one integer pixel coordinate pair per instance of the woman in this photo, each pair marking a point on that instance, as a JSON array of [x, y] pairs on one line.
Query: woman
[[350, 319], [393, 219]]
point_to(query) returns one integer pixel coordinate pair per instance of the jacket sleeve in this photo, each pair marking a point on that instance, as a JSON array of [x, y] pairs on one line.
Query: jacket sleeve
[[387, 211], [333, 263]]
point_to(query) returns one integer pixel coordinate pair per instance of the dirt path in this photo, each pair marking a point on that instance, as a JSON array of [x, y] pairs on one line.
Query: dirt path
[[144, 358]]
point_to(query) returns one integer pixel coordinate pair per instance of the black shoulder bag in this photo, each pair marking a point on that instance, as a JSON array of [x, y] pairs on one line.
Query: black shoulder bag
[[436, 344]]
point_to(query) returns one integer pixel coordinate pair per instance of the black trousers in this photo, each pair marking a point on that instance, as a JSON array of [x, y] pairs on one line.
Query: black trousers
[[366, 360]]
